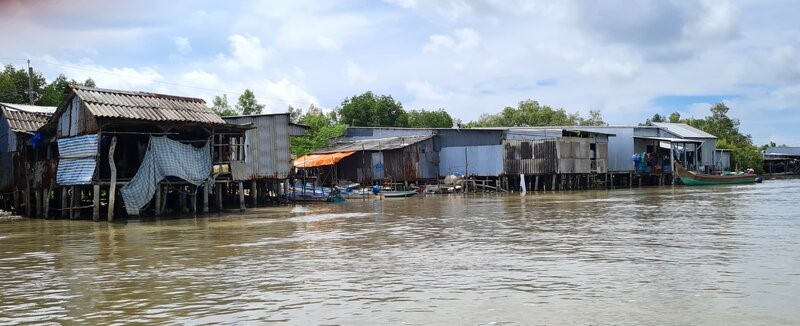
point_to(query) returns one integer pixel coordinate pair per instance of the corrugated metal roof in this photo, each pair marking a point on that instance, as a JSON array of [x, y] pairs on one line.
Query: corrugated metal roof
[[372, 144], [683, 130], [26, 118], [782, 151], [145, 106], [672, 140]]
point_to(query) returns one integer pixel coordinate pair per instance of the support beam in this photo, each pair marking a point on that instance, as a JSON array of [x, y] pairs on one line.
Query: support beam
[[27, 198], [241, 196], [206, 190], [218, 191], [193, 201], [96, 203], [64, 202], [553, 187], [16, 201], [157, 203], [112, 190], [254, 193], [75, 201], [37, 193]]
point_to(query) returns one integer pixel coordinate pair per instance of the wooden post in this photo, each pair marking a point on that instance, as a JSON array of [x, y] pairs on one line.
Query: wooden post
[[536, 183], [254, 193], [553, 187], [163, 202], [182, 200], [206, 185], [630, 179], [612, 181], [158, 199], [241, 196], [193, 200], [47, 200], [96, 203], [64, 203], [27, 198], [37, 194], [16, 200], [112, 190], [75, 201], [218, 191]]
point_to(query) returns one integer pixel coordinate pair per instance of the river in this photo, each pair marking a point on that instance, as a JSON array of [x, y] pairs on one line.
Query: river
[[668, 256]]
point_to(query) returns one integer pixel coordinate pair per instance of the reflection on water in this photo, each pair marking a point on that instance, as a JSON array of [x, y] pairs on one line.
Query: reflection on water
[[718, 255]]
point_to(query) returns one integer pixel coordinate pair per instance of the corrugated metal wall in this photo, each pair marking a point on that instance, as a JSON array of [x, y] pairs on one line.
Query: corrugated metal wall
[[574, 155], [6, 169], [530, 157], [468, 137], [356, 168], [386, 132], [723, 160], [413, 162], [620, 147], [484, 161], [268, 153]]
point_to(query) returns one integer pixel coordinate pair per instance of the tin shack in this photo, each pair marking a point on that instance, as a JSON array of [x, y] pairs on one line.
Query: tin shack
[[267, 162], [145, 152], [18, 125]]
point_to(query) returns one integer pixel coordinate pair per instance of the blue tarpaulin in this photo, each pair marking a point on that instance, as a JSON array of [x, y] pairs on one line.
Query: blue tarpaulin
[[165, 158], [77, 160]]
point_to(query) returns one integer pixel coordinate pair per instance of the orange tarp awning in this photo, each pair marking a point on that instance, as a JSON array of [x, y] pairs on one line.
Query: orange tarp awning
[[313, 160]]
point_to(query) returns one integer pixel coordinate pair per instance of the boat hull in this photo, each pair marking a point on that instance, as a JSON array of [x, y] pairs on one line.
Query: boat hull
[[391, 194], [695, 179]]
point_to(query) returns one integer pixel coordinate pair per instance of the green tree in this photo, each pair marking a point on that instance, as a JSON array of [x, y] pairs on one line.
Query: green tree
[[528, 113], [221, 107], [744, 153], [429, 119], [19, 78], [248, 104], [89, 83], [8, 90], [322, 128], [295, 114], [369, 110], [595, 119], [675, 117]]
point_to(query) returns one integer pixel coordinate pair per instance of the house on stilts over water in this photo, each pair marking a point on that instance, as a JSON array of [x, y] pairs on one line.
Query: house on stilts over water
[[22, 165], [125, 153]]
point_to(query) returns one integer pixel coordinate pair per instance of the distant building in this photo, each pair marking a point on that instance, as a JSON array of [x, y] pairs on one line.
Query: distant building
[[782, 160]]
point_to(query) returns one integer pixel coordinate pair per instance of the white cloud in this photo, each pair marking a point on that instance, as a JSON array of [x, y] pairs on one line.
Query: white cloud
[[356, 75], [425, 91], [182, 45], [246, 53], [462, 40], [408, 4], [282, 93], [608, 69]]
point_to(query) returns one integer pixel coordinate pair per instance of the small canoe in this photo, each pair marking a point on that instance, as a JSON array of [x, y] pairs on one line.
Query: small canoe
[[690, 178], [391, 194]]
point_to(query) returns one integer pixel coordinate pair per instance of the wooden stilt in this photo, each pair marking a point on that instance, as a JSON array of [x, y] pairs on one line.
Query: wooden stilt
[[163, 202], [27, 199], [553, 186], [612, 181], [630, 179], [218, 191], [16, 201], [536, 183], [254, 193], [75, 201], [241, 196], [47, 194], [112, 189], [157, 203], [64, 202], [206, 190], [193, 201], [96, 203], [37, 194], [182, 200]]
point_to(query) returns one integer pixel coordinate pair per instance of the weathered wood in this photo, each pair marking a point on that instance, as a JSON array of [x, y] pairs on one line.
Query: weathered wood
[[75, 201], [241, 196], [157, 203], [553, 187], [630, 179], [218, 191], [47, 194], [182, 200], [193, 202], [206, 185], [27, 196], [16, 200], [96, 203], [112, 190], [64, 202], [37, 194], [254, 193], [163, 202]]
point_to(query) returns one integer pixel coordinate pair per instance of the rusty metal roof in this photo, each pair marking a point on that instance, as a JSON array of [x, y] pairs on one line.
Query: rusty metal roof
[[111, 103], [372, 144], [26, 118]]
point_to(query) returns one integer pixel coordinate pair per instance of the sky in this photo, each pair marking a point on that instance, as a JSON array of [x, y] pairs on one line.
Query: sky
[[627, 59]]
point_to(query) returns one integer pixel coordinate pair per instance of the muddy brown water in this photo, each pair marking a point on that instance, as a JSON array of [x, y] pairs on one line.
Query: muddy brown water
[[667, 256]]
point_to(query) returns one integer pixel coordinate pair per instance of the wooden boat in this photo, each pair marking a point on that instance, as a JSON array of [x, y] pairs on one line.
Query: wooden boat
[[690, 178], [391, 194]]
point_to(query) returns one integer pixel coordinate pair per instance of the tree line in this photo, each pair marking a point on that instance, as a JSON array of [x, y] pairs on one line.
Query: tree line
[[14, 87]]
